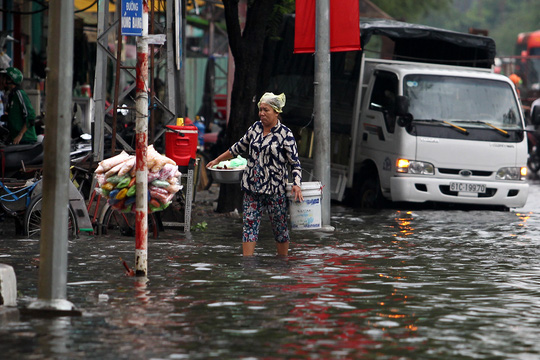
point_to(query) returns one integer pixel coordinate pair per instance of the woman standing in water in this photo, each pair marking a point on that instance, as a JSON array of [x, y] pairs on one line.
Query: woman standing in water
[[271, 147]]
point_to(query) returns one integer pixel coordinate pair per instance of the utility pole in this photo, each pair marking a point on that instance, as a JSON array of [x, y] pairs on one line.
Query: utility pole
[[141, 139], [321, 127], [100, 83], [175, 62], [54, 232]]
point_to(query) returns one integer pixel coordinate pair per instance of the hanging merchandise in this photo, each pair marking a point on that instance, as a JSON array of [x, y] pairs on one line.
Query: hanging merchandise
[[116, 180]]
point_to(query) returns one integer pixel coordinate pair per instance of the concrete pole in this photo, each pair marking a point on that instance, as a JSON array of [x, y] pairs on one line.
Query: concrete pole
[[174, 56], [141, 139], [182, 73], [100, 81], [171, 55], [54, 221], [321, 127]]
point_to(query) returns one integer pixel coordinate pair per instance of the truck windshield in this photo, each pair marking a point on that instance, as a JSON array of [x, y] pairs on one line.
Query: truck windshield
[[472, 102]]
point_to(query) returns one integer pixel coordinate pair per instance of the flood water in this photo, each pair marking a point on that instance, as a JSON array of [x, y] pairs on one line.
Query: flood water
[[397, 284]]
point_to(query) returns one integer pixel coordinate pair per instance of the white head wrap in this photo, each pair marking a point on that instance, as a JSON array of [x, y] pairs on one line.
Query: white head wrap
[[277, 102]]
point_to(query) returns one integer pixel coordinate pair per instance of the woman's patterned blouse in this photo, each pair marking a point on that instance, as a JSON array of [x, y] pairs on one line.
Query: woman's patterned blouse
[[266, 171]]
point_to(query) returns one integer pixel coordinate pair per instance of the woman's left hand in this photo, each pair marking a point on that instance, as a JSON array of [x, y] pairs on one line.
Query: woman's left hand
[[297, 193]]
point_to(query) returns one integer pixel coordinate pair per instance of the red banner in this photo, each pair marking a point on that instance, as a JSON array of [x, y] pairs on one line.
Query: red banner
[[344, 26]]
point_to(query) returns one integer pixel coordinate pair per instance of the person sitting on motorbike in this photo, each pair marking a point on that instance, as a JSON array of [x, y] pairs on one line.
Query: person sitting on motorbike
[[19, 113]]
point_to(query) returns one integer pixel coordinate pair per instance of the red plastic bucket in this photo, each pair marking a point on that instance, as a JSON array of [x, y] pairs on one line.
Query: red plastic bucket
[[181, 143]]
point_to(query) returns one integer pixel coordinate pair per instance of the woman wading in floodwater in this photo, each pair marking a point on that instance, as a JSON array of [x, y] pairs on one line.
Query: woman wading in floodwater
[[271, 147]]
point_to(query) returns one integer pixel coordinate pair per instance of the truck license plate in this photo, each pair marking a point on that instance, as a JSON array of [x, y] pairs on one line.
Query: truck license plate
[[468, 187]]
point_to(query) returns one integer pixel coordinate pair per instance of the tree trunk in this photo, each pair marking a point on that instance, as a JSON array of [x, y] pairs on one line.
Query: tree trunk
[[247, 49]]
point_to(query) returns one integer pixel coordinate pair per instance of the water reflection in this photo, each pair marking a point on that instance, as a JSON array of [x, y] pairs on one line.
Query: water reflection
[[55, 339], [391, 285], [404, 226], [326, 313]]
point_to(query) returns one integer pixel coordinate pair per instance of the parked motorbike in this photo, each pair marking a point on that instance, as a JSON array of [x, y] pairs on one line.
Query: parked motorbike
[[15, 160]]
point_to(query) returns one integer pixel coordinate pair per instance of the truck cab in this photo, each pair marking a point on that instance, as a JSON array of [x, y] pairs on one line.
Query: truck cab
[[435, 133]]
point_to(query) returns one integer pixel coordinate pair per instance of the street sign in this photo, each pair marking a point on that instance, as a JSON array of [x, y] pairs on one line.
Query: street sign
[[132, 22]]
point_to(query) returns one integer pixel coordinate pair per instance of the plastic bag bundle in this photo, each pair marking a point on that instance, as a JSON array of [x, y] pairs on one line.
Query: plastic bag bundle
[[237, 163], [116, 180]]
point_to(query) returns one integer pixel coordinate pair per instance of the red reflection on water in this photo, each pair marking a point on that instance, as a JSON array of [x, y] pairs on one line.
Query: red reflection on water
[[332, 321]]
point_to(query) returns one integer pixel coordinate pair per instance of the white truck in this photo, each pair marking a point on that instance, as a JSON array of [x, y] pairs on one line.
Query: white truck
[[431, 124]]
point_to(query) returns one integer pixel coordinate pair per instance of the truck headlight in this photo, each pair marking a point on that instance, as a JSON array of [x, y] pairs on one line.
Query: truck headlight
[[512, 173], [414, 167]]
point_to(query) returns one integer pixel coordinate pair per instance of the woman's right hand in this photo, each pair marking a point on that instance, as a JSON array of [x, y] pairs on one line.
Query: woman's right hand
[[220, 158], [297, 192], [212, 163]]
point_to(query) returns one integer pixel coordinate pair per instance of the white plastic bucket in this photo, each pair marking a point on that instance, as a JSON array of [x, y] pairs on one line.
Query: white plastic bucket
[[306, 215]]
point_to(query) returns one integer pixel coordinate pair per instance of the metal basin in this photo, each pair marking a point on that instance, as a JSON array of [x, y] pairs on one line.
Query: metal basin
[[227, 176]]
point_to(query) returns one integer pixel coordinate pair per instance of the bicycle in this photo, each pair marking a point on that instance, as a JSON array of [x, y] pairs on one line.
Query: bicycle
[[23, 203], [15, 199], [32, 220], [104, 218], [22, 198], [113, 222], [78, 218]]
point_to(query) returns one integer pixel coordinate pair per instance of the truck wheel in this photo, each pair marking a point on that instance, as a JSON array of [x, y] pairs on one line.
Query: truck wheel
[[534, 163], [369, 194]]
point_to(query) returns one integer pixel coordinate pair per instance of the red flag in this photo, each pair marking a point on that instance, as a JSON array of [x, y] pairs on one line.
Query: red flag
[[344, 26]]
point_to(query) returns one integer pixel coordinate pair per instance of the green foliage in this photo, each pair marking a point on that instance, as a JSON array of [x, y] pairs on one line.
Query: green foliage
[[504, 19], [411, 10], [280, 8], [200, 226]]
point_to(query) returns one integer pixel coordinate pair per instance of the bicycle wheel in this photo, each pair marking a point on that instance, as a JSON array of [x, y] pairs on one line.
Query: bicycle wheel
[[32, 220], [114, 222]]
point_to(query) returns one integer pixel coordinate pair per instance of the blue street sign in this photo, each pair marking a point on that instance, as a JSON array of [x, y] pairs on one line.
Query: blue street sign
[[132, 22]]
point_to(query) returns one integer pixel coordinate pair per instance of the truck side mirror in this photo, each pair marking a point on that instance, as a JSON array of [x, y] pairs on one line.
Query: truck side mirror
[[402, 111], [402, 105], [405, 120]]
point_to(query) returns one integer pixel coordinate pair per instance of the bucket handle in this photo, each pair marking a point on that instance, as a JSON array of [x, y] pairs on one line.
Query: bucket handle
[[321, 188], [174, 130], [314, 179]]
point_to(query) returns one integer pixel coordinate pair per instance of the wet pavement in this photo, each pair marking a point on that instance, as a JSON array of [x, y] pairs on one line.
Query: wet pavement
[[396, 284]]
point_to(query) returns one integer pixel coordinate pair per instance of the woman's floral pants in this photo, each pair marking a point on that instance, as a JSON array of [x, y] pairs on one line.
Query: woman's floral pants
[[277, 208]]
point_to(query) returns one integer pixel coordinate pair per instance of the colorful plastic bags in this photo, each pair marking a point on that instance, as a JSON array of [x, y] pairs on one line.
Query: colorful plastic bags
[[116, 180]]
